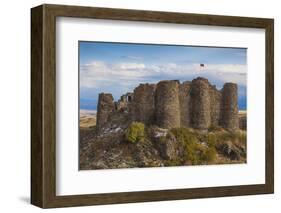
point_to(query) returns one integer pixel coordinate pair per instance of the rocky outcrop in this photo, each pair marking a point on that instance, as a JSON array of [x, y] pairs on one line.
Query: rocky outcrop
[[160, 147], [232, 151]]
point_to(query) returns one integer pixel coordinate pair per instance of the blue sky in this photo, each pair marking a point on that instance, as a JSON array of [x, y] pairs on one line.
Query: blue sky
[[118, 68]]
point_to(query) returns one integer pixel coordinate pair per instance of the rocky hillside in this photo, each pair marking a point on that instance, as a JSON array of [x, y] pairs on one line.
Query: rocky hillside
[[137, 145]]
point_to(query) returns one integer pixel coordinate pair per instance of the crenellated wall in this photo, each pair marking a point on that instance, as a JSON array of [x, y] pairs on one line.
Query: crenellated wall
[[168, 104]]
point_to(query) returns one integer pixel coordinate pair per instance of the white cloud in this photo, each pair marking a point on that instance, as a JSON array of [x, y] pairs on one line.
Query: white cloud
[[128, 66], [101, 74]]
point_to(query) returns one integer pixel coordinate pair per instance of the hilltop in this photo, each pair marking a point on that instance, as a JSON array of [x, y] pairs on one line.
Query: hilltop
[[166, 124]]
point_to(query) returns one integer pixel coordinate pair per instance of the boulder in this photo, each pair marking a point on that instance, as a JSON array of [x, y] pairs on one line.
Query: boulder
[[168, 147], [232, 151]]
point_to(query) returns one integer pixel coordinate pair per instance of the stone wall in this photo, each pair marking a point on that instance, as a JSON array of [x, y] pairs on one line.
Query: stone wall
[[200, 104], [143, 103], [124, 103], [215, 106], [243, 122], [167, 107], [106, 107], [229, 107], [168, 104], [184, 99]]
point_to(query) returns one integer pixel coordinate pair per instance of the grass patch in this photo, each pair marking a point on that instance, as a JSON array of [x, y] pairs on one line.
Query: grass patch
[[210, 154], [195, 153], [215, 138], [135, 132]]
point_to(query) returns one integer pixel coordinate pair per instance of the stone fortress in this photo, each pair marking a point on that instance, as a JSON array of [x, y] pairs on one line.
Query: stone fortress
[[168, 104]]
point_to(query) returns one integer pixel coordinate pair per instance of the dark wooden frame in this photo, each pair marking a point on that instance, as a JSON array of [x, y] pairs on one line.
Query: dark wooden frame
[[43, 105]]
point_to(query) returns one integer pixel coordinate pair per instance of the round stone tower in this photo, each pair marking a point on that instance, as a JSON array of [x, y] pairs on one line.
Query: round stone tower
[[184, 98], [143, 103], [167, 107], [229, 107], [105, 108], [200, 104], [215, 103]]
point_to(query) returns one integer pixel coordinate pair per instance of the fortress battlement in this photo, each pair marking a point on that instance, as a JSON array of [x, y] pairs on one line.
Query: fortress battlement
[[168, 104]]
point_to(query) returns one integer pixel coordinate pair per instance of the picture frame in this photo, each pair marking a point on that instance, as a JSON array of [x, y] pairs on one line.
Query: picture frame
[[43, 105]]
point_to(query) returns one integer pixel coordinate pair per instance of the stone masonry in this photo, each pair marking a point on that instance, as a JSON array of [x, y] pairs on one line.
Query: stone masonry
[[167, 104], [105, 108], [200, 104]]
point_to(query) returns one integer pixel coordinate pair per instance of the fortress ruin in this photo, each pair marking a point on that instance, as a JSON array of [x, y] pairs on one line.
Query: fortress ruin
[[167, 104]]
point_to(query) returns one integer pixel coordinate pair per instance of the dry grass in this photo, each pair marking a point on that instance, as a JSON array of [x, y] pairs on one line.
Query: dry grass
[[87, 119], [242, 112]]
